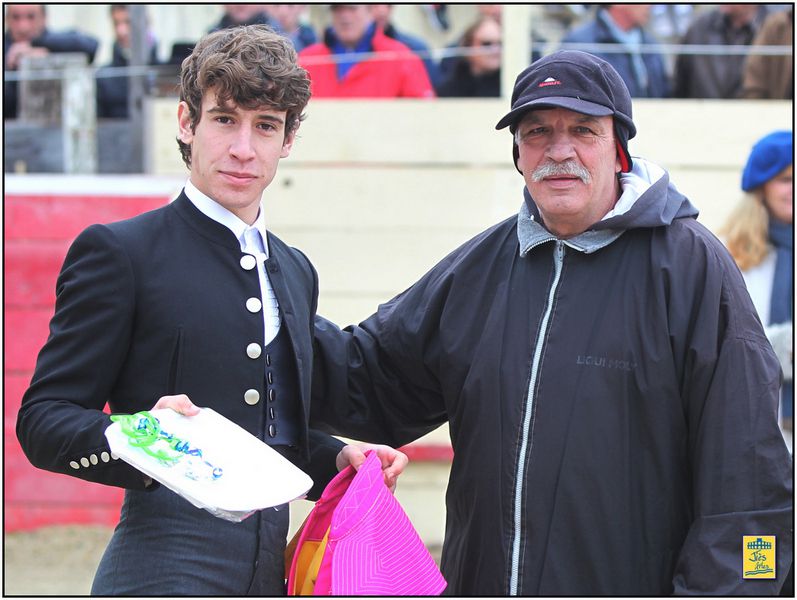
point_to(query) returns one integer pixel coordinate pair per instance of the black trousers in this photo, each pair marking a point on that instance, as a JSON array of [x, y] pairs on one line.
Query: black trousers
[[164, 546]]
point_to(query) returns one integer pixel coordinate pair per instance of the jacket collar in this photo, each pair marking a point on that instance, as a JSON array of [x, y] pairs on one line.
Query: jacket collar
[[204, 225], [213, 210], [531, 233]]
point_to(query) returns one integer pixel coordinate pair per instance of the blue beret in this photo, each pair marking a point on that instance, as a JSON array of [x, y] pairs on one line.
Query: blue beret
[[769, 156]]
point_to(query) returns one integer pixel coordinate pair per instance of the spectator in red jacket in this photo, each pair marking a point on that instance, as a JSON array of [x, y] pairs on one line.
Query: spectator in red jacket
[[341, 65]]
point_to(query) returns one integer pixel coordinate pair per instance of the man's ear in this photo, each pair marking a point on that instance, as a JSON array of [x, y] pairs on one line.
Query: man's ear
[[185, 123], [287, 144], [618, 158]]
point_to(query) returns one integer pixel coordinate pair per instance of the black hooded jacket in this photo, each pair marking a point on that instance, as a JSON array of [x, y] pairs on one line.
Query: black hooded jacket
[[612, 403]]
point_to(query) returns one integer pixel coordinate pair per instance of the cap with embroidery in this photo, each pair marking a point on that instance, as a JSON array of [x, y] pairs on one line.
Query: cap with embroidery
[[577, 81]]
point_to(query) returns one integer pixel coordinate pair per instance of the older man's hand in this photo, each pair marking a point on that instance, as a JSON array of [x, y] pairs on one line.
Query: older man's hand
[[393, 461]]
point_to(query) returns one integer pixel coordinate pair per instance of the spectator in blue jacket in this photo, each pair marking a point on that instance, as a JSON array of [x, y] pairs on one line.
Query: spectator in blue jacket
[[27, 35], [381, 13], [285, 18], [242, 14], [642, 70]]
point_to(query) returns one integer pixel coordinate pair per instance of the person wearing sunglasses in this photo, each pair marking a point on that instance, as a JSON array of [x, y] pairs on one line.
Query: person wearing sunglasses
[[477, 73]]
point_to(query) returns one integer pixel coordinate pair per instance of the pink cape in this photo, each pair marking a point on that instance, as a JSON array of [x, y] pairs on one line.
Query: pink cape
[[373, 549]]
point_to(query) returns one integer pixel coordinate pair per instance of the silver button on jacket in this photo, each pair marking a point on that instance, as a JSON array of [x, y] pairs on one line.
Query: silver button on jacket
[[254, 350], [251, 397], [254, 305]]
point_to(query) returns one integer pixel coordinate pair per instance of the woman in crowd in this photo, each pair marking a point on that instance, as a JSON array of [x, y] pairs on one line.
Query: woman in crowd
[[478, 73], [760, 237]]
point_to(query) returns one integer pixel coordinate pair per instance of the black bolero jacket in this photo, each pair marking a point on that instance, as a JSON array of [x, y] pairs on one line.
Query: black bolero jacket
[[156, 305]]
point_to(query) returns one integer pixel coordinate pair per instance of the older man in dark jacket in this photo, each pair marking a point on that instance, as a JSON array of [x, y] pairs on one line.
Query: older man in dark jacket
[[611, 395]]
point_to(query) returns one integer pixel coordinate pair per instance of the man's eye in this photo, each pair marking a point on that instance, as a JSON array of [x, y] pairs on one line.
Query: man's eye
[[583, 130], [533, 132], [223, 120]]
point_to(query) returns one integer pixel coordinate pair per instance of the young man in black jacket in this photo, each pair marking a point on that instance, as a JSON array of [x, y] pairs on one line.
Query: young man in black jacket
[[195, 301]]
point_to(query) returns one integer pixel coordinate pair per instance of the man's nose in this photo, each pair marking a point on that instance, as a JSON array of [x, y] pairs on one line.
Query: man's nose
[[241, 145], [561, 147]]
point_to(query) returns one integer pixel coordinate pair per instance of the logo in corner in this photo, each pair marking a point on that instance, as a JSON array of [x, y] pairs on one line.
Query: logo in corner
[[759, 557], [550, 81]]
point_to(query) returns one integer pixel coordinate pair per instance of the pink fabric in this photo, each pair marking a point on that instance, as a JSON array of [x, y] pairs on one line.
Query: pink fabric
[[373, 549]]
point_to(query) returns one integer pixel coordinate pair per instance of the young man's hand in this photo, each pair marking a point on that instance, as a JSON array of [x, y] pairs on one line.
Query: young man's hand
[[393, 461], [179, 403]]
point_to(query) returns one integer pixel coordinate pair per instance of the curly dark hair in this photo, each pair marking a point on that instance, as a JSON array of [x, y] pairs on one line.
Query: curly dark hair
[[251, 66]]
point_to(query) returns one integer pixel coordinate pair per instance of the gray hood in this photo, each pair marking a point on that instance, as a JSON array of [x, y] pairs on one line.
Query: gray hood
[[648, 199]]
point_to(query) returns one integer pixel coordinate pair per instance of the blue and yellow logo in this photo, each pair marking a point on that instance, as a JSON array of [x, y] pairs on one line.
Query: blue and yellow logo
[[759, 556]]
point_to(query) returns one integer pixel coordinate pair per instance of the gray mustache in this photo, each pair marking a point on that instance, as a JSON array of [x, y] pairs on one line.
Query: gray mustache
[[555, 169]]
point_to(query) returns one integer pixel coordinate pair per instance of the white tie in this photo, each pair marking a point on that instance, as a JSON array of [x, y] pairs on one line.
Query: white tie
[[253, 244]]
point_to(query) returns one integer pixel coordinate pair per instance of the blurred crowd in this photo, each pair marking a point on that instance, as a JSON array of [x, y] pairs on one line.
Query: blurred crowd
[[661, 50], [720, 51]]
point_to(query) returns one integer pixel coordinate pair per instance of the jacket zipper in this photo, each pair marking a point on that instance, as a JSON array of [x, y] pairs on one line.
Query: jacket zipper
[[528, 421]]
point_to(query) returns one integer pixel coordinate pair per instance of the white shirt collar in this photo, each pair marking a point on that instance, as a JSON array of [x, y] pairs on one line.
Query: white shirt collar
[[213, 210]]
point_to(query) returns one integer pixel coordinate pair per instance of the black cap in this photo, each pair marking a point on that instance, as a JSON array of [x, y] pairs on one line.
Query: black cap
[[577, 81]]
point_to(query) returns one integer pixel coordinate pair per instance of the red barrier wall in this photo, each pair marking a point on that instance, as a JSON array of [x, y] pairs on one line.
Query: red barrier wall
[[38, 229]]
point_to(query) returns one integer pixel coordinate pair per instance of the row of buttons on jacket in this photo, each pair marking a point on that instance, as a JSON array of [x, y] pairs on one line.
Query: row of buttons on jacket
[[93, 460], [253, 305], [253, 350]]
